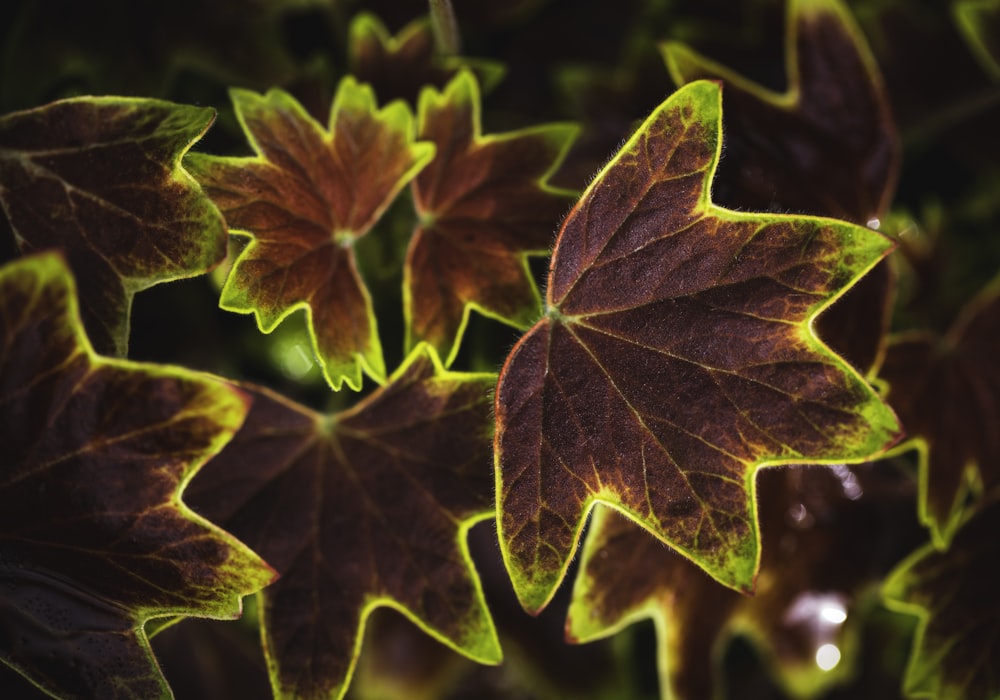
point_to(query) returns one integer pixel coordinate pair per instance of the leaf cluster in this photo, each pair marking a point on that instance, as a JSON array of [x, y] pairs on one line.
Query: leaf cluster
[[512, 349]]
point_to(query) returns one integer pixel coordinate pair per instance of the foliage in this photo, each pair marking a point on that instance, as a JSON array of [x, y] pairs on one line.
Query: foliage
[[719, 347]]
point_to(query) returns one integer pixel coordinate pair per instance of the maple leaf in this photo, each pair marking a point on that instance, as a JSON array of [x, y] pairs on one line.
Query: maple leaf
[[101, 178], [484, 206], [401, 66], [946, 392], [955, 651], [304, 200], [827, 146], [675, 358], [94, 538], [819, 562], [358, 510]]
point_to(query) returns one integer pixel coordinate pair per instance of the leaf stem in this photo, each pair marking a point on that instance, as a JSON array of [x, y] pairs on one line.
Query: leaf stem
[[445, 27]]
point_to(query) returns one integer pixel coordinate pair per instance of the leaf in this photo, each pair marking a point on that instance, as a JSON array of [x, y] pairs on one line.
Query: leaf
[[675, 358], [304, 200], [955, 651], [828, 534], [358, 510], [101, 178], [110, 47], [94, 538], [946, 391], [828, 144], [484, 206], [979, 22], [401, 66]]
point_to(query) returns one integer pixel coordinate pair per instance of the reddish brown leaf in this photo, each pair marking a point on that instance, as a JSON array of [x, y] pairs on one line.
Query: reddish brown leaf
[[358, 510], [401, 66], [828, 536], [100, 178], [828, 144], [675, 358], [946, 391], [484, 206], [94, 539], [304, 199]]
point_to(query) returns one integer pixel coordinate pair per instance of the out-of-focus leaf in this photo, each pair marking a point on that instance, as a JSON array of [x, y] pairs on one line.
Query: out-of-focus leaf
[[946, 391], [358, 510], [820, 557], [956, 651], [101, 178], [484, 206], [675, 358], [139, 48], [304, 200], [979, 21], [400, 66], [825, 146], [94, 538]]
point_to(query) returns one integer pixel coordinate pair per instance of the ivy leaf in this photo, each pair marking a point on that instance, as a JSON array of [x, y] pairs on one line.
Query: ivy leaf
[[484, 206], [401, 66], [358, 510], [675, 358], [820, 559], [94, 538], [955, 651], [828, 144], [304, 200], [946, 391], [101, 178], [979, 21]]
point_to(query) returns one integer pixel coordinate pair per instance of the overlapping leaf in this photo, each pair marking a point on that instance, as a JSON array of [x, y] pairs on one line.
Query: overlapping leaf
[[946, 391], [955, 653], [94, 539], [484, 206], [304, 199], [676, 357], [401, 66], [100, 177], [358, 510], [821, 554], [826, 146]]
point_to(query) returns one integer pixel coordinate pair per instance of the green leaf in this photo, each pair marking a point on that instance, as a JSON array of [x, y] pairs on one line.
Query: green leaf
[[484, 206], [979, 22], [828, 534], [946, 391], [358, 510], [828, 144], [94, 537], [101, 178], [676, 357], [401, 66], [955, 651], [304, 200]]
